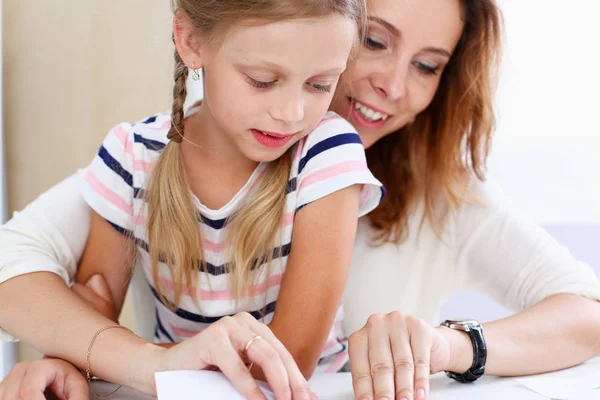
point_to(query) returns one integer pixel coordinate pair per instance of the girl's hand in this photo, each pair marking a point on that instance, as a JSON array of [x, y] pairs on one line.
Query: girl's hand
[[222, 345]]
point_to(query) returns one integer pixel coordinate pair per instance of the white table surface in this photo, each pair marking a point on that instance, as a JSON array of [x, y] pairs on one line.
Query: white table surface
[[442, 388]]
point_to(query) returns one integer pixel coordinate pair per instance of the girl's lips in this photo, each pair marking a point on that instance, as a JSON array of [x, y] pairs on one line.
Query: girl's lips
[[272, 140]]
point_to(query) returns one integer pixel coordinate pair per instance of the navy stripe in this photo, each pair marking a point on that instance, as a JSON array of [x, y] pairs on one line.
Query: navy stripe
[[148, 143], [138, 193], [160, 326], [190, 316], [382, 193], [215, 224], [118, 169], [324, 360], [327, 144], [214, 270], [115, 166], [291, 186], [150, 120], [219, 224], [300, 208]]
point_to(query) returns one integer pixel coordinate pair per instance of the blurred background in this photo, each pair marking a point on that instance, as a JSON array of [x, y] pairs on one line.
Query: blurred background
[[73, 69]]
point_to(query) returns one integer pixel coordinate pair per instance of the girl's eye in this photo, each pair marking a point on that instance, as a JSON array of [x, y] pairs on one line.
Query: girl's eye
[[260, 84]]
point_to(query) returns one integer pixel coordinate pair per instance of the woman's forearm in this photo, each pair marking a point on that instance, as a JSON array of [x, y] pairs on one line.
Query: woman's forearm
[[41, 310], [559, 332]]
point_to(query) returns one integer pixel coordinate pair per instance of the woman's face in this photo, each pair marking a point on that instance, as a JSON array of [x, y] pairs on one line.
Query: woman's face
[[397, 71]]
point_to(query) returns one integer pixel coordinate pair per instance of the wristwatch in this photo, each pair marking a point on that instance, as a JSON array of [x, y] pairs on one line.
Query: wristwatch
[[475, 332]]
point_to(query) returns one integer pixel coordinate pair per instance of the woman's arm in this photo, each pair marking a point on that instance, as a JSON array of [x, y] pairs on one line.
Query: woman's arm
[[506, 256]]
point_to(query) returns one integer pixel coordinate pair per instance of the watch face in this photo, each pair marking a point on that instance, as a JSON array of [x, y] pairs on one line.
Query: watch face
[[462, 321], [461, 324]]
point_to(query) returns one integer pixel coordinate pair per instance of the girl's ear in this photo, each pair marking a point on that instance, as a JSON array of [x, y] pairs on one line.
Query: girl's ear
[[187, 41]]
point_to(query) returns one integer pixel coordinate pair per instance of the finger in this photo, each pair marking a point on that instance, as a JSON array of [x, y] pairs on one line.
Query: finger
[[226, 355], [298, 384], [75, 387], [99, 285], [358, 349], [404, 369], [266, 357], [421, 341], [36, 379], [380, 358], [12, 383], [87, 294], [96, 301]]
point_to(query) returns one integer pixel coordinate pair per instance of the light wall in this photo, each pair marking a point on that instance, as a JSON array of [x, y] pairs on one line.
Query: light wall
[[73, 69]]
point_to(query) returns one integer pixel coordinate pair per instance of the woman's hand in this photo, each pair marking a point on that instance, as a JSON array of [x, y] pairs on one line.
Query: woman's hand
[[392, 356], [29, 380]]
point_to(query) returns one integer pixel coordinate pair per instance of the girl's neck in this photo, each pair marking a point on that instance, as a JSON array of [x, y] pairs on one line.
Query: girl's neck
[[215, 168], [207, 143]]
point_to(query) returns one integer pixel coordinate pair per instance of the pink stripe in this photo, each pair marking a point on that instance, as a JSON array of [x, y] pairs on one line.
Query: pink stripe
[[288, 219], [183, 333], [298, 154], [332, 171], [327, 120], [140, 220], [204, 294], [337, 363], [212, 246], [122, 134], [330, 344], [138, 165], [106, 193]]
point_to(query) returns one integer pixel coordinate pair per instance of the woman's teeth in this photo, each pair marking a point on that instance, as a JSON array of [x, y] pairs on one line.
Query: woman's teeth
[[369, 114]]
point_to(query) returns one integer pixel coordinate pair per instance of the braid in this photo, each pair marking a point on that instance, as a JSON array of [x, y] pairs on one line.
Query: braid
[[179, 96]]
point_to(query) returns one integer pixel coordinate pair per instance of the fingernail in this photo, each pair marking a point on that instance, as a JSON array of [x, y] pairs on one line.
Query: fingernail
[[382, 398], [93, 281], [421, 394], [365, 397]]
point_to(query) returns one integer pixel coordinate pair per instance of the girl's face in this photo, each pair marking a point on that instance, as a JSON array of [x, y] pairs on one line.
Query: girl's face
[[395, 75], [268, 86]]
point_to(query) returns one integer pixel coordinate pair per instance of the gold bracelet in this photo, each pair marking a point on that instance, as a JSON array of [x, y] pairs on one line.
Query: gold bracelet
[[88, 376]]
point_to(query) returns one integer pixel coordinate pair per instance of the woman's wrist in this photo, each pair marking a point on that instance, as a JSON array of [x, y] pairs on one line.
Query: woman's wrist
[[144, 369], [461, 350]]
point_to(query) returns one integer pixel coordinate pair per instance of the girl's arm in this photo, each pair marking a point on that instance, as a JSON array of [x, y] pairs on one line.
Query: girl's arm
[[110, 254], [312, 287]]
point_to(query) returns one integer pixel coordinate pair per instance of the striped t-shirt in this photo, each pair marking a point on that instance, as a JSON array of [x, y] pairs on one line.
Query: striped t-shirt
[[328, 159]]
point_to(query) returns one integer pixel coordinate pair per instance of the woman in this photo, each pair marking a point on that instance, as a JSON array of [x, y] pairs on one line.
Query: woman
[[420, 94]]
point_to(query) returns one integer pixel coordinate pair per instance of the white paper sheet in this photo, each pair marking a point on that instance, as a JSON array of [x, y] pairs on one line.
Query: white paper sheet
[[579, 383], [181, 385]]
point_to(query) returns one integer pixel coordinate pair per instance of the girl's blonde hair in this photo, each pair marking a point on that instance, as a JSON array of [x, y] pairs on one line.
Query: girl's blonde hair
[[173, 225], [434, 157]]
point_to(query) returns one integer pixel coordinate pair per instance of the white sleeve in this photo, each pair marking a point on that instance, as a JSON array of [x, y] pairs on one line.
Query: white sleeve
[[508, 257], [49, 235]]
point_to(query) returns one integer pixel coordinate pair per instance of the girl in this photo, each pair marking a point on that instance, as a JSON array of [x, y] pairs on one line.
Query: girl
[[248, 202]]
